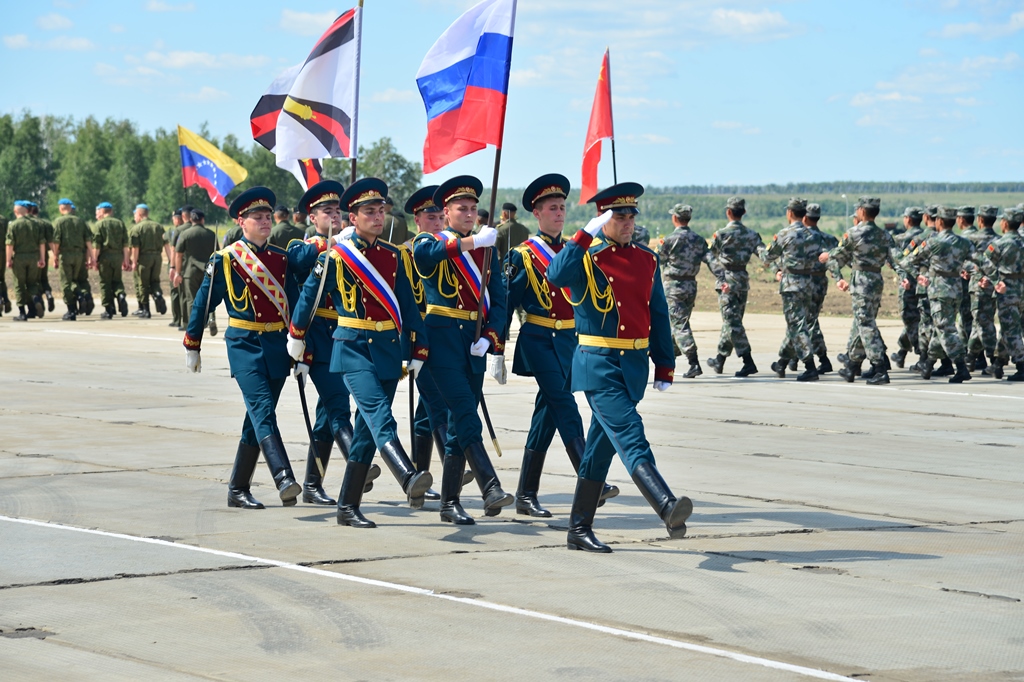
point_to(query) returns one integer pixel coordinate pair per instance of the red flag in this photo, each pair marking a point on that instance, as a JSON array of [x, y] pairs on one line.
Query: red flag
[[600, 127]]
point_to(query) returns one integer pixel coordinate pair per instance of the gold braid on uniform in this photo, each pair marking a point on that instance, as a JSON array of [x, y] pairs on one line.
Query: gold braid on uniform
[[349, 294], [235, 300], [596, 296], [540, 285], [415, 282], [444, 273]]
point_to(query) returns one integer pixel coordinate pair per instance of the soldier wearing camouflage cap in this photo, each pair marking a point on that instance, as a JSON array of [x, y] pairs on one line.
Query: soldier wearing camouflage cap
[[978, 321], [681, 255], [730, 251], [909, 306], [819, 288], [926, 328], [1003, 266]]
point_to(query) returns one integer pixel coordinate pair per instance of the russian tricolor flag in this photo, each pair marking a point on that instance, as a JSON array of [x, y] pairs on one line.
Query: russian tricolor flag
[[464, 83]]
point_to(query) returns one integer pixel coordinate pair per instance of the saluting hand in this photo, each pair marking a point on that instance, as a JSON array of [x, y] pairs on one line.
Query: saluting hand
[[597, 224]]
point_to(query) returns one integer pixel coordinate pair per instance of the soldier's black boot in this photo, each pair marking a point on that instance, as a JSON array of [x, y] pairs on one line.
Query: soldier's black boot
[[145, 312], [490, 488], [88, 303], [996, 368], [879, 376], [824, 364], [794, 365], [717, 363], [281, 469], [962, 373], [21, 316], [575, 449], [316, 467], [212, 324], [440, 439], [695, 368], [37, 304], [673, 511], [900, 357], [927, 368], [49, 301], [870, 372], [241, 478], [748, 367], [779, 368], [122, 305], [945, 369], [414, 483], [529, 484], [343, 437], [72, 314], [851, 371], [979, 363], [1019, 375], [351, 495], [581, 518], [810, 372], [422, 450], [160, 303], [451, 485]]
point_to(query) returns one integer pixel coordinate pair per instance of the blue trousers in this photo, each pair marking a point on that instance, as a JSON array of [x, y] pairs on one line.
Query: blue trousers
[[332, 408], [431, 412], [554, 409], [463, 389], [260, 394], [375, 426], [615, 427]]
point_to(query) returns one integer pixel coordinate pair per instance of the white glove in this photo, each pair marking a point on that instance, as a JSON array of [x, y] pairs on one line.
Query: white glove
[[598, 223], [496, 368], [479, 347], [344, 234], [485, 237], [301, 369], [662, 385], [414, 367], [295, 348], [193, 362]]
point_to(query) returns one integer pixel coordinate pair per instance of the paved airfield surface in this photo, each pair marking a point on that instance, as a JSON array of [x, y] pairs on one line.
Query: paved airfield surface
[[840, 532]]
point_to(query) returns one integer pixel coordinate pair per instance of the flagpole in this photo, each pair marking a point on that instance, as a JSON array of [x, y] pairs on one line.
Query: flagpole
[[611, 114], [355, 118]]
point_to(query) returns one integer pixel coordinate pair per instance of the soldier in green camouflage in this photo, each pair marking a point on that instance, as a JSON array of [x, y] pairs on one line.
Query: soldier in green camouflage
[[46, 229], [945, 256], [680, 256], [72, 247], [981, 341], [194, 248], [170, 239], [819, 289], [866, 248], [147, 242], [1003, 263], [26, 253], [796, 248], [5, 301], [111, 254], [926, 328], [910, 313], [730, 251]]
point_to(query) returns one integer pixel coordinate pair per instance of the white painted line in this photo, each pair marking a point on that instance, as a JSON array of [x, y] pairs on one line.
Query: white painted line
[[479, 603], [112, 336], [864, 387]]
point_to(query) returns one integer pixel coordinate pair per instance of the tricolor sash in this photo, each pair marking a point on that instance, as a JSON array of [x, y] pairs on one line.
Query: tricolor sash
[[261, 276], [371, 279], [544, 253], [470, 273]]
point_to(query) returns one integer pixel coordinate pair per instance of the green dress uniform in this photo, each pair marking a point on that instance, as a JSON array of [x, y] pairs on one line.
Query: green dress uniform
[[819, 289], [196, 244], [396, 228], [284, 232], [178, 291], [511, 233], [148, 238], [46, 229], [234, 234], [111, 239], [24, 235], [456, 298], [623, 326], [74, 239]]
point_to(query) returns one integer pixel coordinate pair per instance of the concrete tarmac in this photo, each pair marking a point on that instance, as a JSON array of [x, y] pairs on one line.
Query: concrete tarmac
[[840, 532]]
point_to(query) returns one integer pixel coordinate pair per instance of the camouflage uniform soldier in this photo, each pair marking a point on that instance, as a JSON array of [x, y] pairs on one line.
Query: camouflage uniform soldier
[[981, 339], [819, 288], [730, 251], [680, 257], [26, 253], [72, 244], [909, 311], [944, 255], [147, 241], [866, 247], [1003, 263], [797, 248], [926, 328], [5, 301]]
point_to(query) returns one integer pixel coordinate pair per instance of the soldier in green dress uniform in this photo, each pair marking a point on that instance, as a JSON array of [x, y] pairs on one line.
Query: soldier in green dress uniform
[[26, 253], [72, 256]]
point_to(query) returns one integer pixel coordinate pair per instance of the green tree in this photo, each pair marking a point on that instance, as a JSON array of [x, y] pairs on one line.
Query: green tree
[[24, 160], [129, 169], [163, 187], [84, 166], [382, 161]]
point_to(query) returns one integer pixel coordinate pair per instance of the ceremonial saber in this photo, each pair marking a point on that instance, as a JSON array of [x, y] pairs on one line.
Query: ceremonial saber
[[490, 427], [309, 426]]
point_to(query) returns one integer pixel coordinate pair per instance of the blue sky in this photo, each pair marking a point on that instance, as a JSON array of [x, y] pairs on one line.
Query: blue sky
[[704, 92]]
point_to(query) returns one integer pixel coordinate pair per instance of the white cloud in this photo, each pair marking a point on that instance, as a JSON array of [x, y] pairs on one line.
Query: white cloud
[[929, 52], [204, 60], [985, 31], [763, 24], [53, 22], [72, 44], [117, 28], [638, 102], [131, 77], [648, 138], [967, 101], [17, 42], [206, 94], [307, 23], [158, 6], [394, 96], [863, 99]]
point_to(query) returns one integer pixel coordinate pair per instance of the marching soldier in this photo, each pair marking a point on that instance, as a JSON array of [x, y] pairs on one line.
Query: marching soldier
[[111, 255], [459, 300], [681, 255], [944, 255], [547, 341], [194, 247], [819, 288], [396, 229], [170, 240], [927, 329], [797, 248], [72, 246], [511, 232], [965, 318], [730, 251], [46, 228], [1003, 263], [299, 220], [147, 241], [284, 232], [251, 276], [234, 233], [980, 333], [910, 314], [5, 301], [366, 277], [623, 324], [866, 248], [26, 254]]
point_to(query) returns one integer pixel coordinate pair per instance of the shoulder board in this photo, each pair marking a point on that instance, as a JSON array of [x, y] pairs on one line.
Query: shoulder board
[[388, 246], [296, 242], [225, 252], [278, 249], [522, 248]]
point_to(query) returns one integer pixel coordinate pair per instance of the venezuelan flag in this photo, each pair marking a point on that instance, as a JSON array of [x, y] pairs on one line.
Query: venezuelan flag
[[204, 165]]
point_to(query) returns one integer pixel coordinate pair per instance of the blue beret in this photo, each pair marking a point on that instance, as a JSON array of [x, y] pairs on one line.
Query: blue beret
[[105, 204], [65, 202], [142, 206], [22, 203]]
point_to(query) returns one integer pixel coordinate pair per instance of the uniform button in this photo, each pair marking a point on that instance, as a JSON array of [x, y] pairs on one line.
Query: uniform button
[[611, 279], [618, 303], [552, 333], [460, 305], [460, 326], [259, 314], [460, 287], [369, 340], [622, 352], [622, 327], [613, 249]]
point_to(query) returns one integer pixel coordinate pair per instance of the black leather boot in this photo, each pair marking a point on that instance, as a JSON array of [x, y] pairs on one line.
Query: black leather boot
[[695, 368], [794, 365], [21, 316], [962, 373], [927, 368], [980, 363], [1019, 375], [748, 367], [945, 369], [810, 372], [900, 357], [529, 484], [49, 302], [879, 376], [422, 450], [575, 449], [88, 303], [241, 478], [717, 363], [108, 313], [414, 483], [440, 440], [343, 437], [672, 511], [37, 304], [351, 495], [145, 312], [824, 364], [850, 372], [313, 487], [160, 303], [779, 367], [870, 371], [581, 518], [122, 305], [451, 486], [490, 488], [281, 469]]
